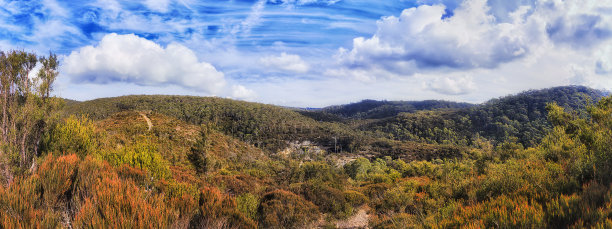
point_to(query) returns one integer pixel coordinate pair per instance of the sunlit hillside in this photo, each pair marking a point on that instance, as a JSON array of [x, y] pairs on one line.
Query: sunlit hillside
[[300, 114], [538, 159]]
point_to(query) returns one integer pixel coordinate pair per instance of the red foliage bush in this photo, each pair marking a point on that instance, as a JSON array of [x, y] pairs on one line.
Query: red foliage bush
[[283, 209], [108, 201], [219, 211]]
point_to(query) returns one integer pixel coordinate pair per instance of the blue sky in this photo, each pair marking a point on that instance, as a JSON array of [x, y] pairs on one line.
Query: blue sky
[[313, 53]]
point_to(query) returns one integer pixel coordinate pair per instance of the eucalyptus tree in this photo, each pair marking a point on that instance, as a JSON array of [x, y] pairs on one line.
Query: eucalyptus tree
[[27, 108]]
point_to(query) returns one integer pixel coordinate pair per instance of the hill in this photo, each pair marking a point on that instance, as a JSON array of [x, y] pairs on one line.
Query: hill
[[538, 159], [268, 127], [372, 109], [521, 118], [355, 127], [265, 126], [191, 162]]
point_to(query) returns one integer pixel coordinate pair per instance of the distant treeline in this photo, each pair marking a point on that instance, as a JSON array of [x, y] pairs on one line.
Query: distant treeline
[[520, 118], [364, 126]]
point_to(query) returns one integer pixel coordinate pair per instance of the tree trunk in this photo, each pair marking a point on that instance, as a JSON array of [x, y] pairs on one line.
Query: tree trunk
[[5, 118], [24, 156]]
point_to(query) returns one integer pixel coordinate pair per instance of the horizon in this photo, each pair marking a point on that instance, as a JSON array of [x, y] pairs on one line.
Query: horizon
[[316, 53], [603, 92]]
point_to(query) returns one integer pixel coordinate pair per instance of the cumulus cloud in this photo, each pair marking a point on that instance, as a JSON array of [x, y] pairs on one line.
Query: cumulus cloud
[[503, 10], [286, 62], [458, 85], [577, 23], [241, 92], [537, 41], [604, 63], [420, 38], [583, 30], [132, 59]]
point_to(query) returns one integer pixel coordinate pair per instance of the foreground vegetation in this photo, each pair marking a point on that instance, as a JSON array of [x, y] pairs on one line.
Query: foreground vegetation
[[116, 173], [541, 159]]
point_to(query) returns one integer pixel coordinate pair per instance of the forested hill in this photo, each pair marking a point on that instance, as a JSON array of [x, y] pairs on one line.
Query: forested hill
[[196, 162], [266, 126], [372, 109], [521, 118], [569, 97], [538, 159]]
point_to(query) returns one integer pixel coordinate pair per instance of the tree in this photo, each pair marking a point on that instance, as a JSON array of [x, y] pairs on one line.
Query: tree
[[199, 151], [26, 108]]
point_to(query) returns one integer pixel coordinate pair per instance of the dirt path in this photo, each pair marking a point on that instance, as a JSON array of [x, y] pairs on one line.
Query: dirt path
[[146, 119], [359, 220]]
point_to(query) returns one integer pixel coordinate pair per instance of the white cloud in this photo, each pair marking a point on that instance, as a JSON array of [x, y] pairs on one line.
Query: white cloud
[[112, 7], [243, 93], [158, 5], [603, 65], [458, 85], [52, 30], [579, 24], [510, 45], [55, 8], [362, 75], [581, 76], [252, 20], [304, 2], [132, 59], [286, 62], [421, 39]]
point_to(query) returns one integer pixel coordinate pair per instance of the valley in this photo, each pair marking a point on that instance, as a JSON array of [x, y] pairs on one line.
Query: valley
[[525, 160]]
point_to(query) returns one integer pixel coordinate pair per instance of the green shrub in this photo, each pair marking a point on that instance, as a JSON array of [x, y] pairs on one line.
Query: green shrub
[[501, 179], [398, 199], [143, 154], [380, 178], [358, 169], [73, 135], [314, 170], [247, 204], [329, 199], [355, 198], [198, 155], [217, 210]]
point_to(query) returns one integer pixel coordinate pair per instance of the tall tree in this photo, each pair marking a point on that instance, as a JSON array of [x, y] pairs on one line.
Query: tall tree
[[26, 107]]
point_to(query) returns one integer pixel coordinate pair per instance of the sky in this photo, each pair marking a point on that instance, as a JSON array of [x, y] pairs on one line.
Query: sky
[[315, 53]]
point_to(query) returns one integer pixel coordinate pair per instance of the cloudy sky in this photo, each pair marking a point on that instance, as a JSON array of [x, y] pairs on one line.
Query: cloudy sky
[[313, 53]]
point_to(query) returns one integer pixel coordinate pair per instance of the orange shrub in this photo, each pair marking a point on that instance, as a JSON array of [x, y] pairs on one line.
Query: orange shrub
[[238, 184], [57, 176], [283, 209], [401, 220], [501, 212], [20, 206], [328, 199], [118, 203], [219, 211]]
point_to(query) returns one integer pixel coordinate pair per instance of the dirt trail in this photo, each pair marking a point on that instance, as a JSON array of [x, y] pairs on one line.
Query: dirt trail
[[359, 220], [146, 119]]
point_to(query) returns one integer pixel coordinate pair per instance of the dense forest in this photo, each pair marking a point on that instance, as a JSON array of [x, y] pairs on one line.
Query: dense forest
[[538, 159], [520, 118]]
